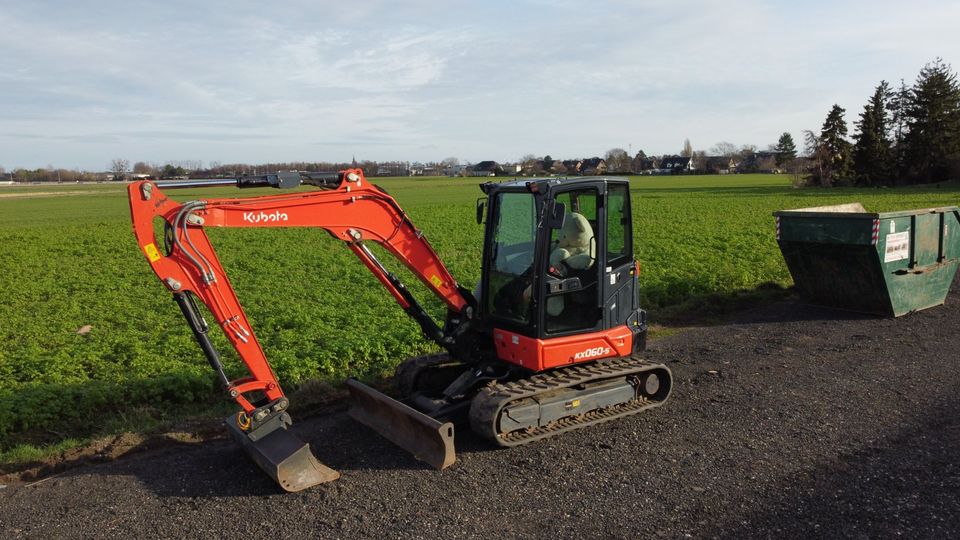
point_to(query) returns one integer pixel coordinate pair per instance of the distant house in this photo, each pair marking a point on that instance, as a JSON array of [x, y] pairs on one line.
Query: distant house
[[720, 165], [764, 161], [454, 170], [558, 168], [645, 165], [675, 165], [486, 168], [420, 169], [392, 168], [572, 166], [512, 168], [593, 166], [416, 169], [531, 168]]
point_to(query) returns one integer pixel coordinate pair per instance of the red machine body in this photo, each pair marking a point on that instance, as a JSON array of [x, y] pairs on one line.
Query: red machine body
[[541, 354]]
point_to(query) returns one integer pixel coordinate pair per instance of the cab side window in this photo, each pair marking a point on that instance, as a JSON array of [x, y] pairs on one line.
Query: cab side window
[[619, 249]]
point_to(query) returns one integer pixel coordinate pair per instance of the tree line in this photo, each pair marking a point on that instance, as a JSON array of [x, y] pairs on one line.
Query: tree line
[[904, 135], [121, 169]]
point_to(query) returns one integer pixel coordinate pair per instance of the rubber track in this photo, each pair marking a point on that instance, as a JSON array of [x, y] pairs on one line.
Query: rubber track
[[490, 401]]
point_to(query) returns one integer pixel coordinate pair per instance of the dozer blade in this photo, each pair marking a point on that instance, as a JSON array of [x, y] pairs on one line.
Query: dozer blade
[[284, 457], [427, 439]]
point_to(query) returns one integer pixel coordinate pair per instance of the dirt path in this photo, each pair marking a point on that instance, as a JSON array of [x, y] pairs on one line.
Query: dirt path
[[792, 421]]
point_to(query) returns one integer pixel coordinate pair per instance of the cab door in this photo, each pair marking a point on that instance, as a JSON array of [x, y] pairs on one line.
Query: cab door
[[620, 295], [573, 266]]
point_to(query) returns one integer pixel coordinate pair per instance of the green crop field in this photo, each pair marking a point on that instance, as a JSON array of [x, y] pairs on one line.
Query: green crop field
[[68, 259]]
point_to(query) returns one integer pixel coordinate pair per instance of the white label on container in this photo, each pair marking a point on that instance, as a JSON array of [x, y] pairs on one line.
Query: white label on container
[[898, 247]]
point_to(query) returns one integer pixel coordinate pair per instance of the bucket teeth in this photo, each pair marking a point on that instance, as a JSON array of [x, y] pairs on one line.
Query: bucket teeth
[[428, 439], [284, 457]]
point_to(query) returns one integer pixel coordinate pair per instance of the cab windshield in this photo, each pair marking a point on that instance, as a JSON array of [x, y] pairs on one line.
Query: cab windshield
[[511, 257]]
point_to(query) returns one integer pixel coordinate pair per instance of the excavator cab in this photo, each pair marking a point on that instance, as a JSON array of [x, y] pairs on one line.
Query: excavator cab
[[558, 265]]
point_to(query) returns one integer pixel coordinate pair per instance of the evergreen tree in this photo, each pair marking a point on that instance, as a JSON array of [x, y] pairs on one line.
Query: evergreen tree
[[873, 153], [898, 125], [833, 139], [933, 121], [786, 149]]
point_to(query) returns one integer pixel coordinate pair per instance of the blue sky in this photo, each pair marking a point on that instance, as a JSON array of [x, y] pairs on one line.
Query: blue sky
[[82, 83]]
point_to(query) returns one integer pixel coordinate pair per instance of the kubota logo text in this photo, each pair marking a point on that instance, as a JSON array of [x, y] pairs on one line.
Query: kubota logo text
[[263, 217], [592, 353]]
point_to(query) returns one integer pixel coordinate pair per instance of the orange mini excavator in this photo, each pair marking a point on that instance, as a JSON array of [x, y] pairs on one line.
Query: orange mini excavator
[[547, 344]]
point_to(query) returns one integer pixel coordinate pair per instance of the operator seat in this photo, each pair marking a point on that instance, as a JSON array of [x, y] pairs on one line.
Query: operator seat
[[574, 254]]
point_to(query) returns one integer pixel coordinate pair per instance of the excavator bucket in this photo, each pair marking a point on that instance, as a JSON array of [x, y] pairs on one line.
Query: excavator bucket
[[284, 457], [429, 440]]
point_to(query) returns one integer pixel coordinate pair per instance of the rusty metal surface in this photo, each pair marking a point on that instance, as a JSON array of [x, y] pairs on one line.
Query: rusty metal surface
[[427, 439]]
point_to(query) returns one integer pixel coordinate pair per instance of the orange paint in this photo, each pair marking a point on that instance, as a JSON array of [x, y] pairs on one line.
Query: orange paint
[[540, 354], [355, 210]]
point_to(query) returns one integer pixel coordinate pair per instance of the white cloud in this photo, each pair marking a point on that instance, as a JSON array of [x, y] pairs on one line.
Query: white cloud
[[424, 80], [353, 61]]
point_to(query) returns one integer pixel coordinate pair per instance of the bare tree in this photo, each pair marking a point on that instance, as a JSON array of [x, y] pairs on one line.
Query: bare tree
[[814, 149], [687, 149], [747, 152], [142, 167], [724, 149], [119, 168], [194, 165], [618, 160], [699, 159], [530, 164]]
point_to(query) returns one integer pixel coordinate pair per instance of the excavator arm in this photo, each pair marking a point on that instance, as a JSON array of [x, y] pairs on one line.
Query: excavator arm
[[348, 208]]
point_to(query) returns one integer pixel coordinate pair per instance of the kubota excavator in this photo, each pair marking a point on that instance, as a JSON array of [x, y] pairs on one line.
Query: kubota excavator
[[548, 343]]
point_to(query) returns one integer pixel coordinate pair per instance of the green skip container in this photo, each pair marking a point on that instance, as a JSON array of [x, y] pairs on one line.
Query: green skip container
[[888, 263]]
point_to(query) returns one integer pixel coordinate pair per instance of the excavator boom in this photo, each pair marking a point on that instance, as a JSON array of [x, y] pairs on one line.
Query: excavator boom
[[352, 211]]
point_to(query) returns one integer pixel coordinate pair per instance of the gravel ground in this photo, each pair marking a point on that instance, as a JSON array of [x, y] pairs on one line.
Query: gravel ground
[[790, 421]]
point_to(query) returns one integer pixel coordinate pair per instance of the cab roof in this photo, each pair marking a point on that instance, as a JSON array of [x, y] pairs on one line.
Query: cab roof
[[546, 184]]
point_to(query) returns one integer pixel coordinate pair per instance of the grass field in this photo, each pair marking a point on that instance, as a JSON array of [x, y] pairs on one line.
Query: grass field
[[70, 260]]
